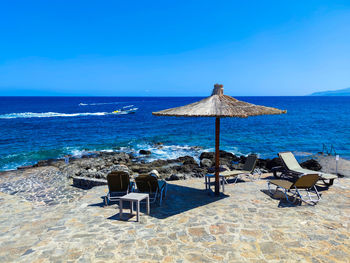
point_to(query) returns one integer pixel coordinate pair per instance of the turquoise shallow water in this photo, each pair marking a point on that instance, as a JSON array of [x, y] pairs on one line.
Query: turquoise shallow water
[[35, 128]]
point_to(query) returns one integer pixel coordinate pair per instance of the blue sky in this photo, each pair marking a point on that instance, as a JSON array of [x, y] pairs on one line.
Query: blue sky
[[173, 48]]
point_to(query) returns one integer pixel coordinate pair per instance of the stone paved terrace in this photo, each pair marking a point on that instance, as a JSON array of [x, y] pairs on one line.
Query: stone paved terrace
[[247, 225]]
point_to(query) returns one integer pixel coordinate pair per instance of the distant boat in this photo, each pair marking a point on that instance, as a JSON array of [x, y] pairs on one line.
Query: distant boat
[[131, 111], [128, 111]]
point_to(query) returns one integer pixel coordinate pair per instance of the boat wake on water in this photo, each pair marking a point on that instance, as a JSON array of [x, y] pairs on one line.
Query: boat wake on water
[[25, 115], [98, 103], [128, 106]]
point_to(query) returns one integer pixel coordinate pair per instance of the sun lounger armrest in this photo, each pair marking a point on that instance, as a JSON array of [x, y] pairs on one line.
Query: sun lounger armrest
[[328, 176], [277, 168]]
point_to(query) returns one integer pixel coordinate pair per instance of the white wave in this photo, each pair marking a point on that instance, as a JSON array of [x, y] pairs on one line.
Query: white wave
[[128, 106], [165, 152], [107, 151], [49, 115], [77, 152], [233, 150], [170, 151], [97, 103]]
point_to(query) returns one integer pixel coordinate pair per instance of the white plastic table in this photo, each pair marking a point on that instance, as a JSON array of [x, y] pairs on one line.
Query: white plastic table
[[222, 181], [133, 198]]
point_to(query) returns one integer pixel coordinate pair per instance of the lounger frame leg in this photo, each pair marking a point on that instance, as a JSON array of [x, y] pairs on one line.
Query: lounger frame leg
[[331, 181], [148, 206], [138, 211], [206, 182], [269, 189], [310, 199], [258, 171], [237, 178], [107, 199], [120, 209], [296, 193], [307, 198]]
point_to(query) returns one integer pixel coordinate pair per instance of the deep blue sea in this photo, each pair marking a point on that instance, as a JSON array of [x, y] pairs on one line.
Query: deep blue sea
[[36, 128]]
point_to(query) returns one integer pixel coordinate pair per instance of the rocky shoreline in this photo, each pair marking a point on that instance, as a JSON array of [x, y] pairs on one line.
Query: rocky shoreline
[[51, 181], [97, 165]]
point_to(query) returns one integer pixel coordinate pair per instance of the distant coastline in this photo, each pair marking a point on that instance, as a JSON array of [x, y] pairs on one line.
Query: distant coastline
[[340, 92]]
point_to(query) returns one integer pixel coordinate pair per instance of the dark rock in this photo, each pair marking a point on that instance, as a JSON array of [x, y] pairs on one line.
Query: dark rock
[[311, 165], [24, 167], [186, 168], [141, 168], [222, 154], [159, 145], [120, 157], [44, 163], [206, 163], [106, 154], [172, 161], [145, 152], [104, 172], [222, 168], [199, 172], [158, 163], [242, 159], [175, 177], [261, 163], [165, 170], [87, 183], [225, 162], [273, 163], [226, 158], [207, 155], [119, 167], [187, 160], [87, 174]]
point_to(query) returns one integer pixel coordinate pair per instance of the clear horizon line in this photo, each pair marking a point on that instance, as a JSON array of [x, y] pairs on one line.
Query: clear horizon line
[[187, 96]]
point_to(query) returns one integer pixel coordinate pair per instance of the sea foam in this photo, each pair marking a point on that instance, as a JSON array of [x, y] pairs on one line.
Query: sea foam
[[98, 103], [49, 115], [57, 114]]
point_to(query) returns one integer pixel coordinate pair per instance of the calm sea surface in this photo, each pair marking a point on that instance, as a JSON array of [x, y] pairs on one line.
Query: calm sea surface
[[36, 128]]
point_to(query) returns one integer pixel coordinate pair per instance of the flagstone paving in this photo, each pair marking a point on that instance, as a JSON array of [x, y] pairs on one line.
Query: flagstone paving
[[245, 225]]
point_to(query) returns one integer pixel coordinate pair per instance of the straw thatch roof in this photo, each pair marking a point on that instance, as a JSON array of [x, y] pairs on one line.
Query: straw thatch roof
[[219, 105]]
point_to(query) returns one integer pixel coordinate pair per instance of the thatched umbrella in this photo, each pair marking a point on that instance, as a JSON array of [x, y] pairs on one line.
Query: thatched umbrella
[[219, 105]]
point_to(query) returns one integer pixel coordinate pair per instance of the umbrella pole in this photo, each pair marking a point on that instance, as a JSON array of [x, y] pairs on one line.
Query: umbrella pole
[[217, 155]]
